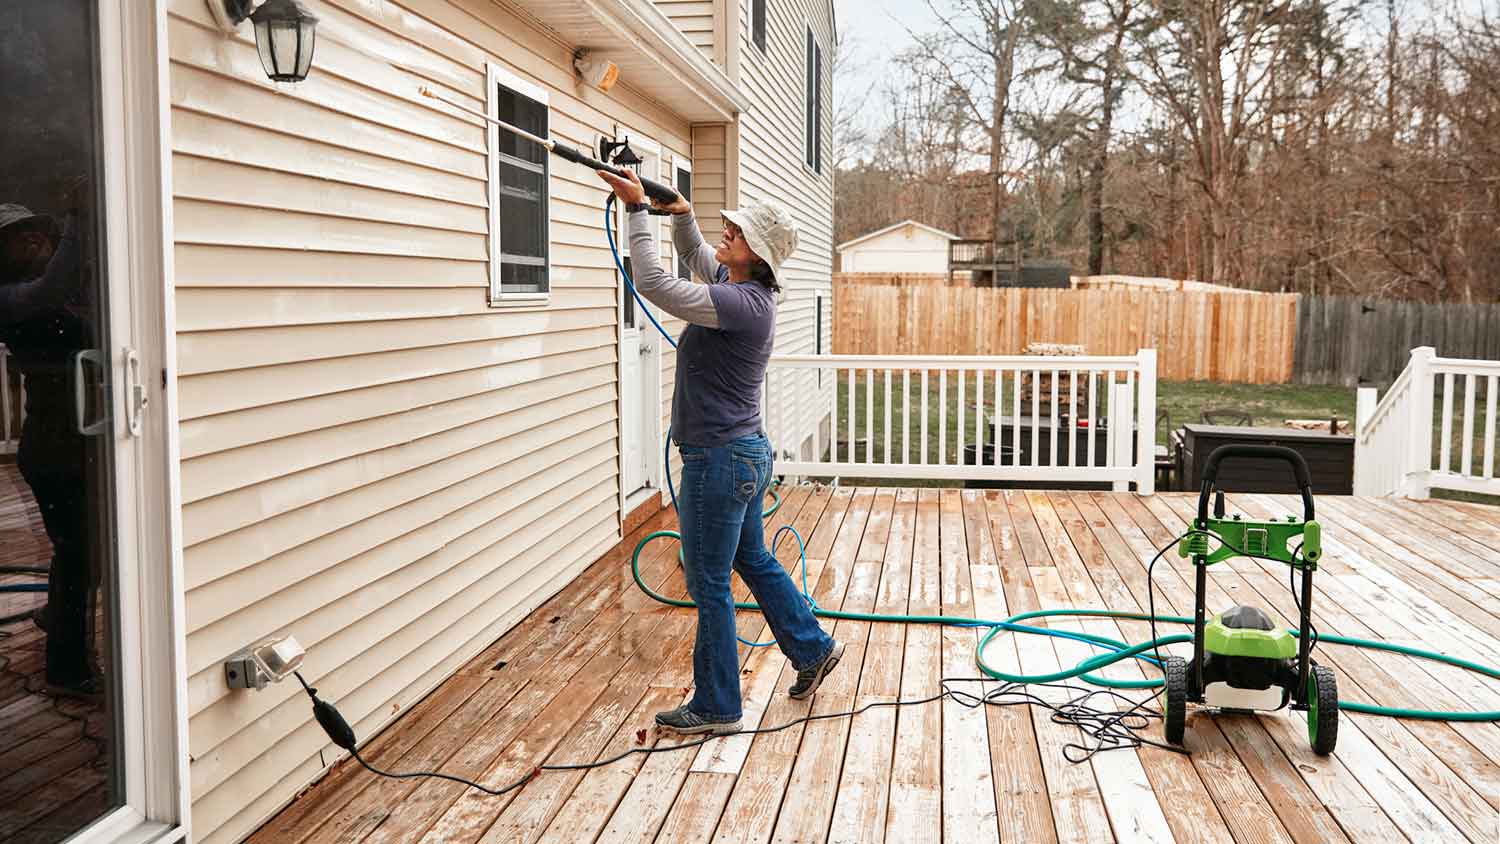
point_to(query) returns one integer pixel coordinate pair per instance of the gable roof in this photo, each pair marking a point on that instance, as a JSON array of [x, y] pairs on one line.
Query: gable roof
[[864, 237]]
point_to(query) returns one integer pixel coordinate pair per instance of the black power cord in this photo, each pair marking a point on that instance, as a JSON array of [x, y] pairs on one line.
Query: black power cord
[[1103, 729]]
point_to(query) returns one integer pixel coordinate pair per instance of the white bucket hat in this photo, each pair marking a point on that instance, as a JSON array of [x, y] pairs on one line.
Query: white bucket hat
[[10, 214], [769, 232]]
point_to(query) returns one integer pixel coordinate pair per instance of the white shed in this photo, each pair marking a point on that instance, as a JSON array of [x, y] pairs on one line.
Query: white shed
[[905, 247]]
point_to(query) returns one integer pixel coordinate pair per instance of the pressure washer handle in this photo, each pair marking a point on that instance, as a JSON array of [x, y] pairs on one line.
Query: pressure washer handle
[[656, 190], [1267, 452]]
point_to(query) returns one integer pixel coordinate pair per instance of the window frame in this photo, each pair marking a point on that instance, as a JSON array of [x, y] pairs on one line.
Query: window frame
[[812, 105], [495, 76], [758, 24], [684, 164], [818, 332]]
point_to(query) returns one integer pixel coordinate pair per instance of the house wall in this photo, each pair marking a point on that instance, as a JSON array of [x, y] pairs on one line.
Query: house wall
[[771, 167], [909, 249], [693, 18], [373, 459]]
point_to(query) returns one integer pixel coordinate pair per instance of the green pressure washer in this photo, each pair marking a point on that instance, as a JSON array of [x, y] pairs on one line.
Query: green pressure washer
[[1242, 662]]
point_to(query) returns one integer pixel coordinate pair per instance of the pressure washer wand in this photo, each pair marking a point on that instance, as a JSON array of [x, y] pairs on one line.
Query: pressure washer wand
[[655, 190]]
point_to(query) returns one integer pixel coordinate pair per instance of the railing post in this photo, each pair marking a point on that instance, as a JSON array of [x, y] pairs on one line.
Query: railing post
[[1121, 415], [1416, 464], [1145, 456], [1366, 399]]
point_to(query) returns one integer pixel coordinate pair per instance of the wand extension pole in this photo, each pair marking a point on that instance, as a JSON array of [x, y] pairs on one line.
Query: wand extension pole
[[655, 190]]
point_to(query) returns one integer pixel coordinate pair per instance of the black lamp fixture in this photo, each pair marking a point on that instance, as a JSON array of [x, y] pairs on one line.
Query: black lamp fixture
[[620, 153], [285, 33]]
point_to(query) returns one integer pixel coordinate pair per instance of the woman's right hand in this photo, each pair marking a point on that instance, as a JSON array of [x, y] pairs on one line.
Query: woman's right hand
[[676, 206]]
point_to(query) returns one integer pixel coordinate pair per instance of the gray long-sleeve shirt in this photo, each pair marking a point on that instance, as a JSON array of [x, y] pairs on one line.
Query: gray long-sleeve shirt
[[723, 353]]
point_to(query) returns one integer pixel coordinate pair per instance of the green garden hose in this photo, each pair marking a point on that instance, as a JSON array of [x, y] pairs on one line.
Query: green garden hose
[[1116, 650]]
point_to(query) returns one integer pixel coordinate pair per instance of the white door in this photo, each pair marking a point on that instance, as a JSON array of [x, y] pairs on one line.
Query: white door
[[90, 710], [640, 363]]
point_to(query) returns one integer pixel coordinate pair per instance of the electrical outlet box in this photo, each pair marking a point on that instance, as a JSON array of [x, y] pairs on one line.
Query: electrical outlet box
[[263, 663]]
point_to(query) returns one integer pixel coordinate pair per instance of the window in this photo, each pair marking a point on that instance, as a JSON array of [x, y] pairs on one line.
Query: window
[[684, 185], [818, 350], [518, 192], [813, 123], [758, 23], [819, 341]]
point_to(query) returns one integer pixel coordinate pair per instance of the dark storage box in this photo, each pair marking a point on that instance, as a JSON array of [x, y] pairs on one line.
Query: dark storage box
[[1329, 458]]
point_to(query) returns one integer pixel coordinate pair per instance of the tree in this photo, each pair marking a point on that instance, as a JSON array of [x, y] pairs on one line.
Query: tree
[[1207, 64], [1090, 37], [975, 53]]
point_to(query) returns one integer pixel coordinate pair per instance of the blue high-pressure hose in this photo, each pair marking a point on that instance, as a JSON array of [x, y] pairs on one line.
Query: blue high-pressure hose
[[1114, 650]]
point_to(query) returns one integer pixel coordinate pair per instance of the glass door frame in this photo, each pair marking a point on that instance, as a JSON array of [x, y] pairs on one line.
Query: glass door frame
[[136, 180]]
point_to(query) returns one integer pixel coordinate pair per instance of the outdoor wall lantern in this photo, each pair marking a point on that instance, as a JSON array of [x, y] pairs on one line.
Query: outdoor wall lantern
[[285, 32]]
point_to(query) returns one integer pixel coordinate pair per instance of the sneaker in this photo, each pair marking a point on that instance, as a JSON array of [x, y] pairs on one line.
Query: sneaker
[[688, 722], [89, 691], [808, 679]]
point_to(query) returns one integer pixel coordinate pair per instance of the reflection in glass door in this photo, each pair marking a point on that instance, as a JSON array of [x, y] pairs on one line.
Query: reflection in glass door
[[60, 760]]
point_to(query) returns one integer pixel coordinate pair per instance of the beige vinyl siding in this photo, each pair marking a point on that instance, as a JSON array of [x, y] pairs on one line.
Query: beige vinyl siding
[[693, 18], [372, 458], [772, 166]]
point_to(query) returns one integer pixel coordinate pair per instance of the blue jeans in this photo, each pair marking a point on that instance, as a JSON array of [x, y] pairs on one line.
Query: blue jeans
[[720, 513]]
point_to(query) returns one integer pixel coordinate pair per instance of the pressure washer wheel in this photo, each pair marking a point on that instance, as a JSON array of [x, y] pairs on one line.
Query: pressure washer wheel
[[1322, 709], [1177, 679]]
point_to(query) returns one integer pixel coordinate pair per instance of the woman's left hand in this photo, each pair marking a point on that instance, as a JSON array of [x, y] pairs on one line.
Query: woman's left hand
[[628, 189]]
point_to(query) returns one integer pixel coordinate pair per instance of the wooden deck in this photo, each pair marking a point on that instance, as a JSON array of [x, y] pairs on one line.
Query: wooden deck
[[581, 677], [53, 753]]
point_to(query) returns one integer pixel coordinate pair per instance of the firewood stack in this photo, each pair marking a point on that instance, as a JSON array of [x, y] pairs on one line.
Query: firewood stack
[[1065, 402]]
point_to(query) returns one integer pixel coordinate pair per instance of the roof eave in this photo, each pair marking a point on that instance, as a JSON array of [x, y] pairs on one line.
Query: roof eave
[[646, 28]]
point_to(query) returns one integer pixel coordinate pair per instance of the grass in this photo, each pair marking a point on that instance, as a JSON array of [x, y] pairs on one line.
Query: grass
[[1268, 405]]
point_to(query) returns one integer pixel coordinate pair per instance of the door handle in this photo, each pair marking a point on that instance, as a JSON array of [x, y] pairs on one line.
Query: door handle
[[136, 399], [80, 394]]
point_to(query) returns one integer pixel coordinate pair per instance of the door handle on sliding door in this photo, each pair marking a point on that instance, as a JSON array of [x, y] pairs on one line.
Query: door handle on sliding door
[[80, 394]]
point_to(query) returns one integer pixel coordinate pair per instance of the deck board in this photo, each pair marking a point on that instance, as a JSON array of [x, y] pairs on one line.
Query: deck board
[[582, 676], [55, 753]]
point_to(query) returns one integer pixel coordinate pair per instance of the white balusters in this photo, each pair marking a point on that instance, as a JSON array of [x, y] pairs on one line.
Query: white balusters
[[949, 428]]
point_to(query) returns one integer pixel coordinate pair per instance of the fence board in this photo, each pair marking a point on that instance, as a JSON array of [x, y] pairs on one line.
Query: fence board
[[1353, 341], [1197, 335], [1256, 338]]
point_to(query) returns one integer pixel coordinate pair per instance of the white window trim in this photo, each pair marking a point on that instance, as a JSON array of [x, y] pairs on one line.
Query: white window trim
[[679, 162], [496, 75]]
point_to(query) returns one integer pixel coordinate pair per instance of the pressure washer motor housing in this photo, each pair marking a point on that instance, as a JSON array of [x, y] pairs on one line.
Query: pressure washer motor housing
[[1241, 661]]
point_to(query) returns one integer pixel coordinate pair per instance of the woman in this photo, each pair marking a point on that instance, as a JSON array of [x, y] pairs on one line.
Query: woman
[[726, 457]]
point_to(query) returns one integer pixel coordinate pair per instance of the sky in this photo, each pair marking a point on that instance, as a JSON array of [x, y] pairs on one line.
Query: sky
[[881, 28]]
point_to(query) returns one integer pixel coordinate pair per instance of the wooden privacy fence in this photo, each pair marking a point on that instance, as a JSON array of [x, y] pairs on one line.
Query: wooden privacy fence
[[1198, 336], [1351, 341], [901, 279]]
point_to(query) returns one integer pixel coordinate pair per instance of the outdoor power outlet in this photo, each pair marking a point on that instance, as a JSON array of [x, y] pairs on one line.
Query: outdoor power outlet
[[265, 662]]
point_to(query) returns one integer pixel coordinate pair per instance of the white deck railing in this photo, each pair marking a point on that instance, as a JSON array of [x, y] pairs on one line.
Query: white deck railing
[[1395, 436], [1057, 419]]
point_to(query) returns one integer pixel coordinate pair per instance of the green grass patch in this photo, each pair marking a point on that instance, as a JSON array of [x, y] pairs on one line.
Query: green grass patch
[[1268, 405]]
